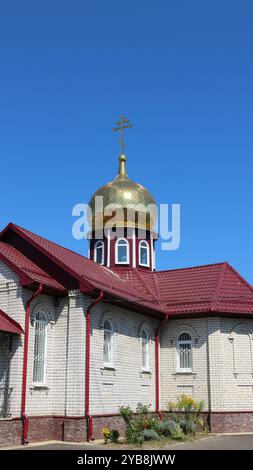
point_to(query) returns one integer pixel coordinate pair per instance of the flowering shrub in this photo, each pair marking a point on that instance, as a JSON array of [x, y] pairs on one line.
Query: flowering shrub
[[107, 434], [191, 410], [181, 420], [110, 435]]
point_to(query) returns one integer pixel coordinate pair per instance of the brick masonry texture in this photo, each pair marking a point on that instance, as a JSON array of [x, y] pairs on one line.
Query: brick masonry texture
[[10, 432], [43, 428], [231, 422], [74, 429], [112, 422], [222, 373]]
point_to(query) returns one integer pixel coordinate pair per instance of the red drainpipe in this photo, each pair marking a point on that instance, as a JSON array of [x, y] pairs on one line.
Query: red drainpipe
[[157, 371], [87, 369], [25, 359]]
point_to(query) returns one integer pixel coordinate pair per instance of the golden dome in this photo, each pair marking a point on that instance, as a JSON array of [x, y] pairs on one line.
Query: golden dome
[[123, 192]]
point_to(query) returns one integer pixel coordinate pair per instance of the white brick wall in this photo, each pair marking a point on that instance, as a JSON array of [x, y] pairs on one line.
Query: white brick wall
[[6, 275], [222, 357], [125, 385], [236, 353], [11, 303], [172, 384], [40, 400]]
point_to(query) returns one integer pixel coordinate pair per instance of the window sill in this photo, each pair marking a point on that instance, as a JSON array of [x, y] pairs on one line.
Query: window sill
[[182, 372], [108, 368], [145, 374], [39, 387]]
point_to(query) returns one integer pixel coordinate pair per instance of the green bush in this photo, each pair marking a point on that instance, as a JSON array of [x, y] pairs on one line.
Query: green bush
[[133, 435], [114, 436], [188, 427], [175, 430], [126, 413], [164, 428], [135, 425], [150, 435], [201, 422]]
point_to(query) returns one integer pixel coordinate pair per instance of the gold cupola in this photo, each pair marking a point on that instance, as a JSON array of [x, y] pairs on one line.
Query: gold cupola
[[132, 197], [122, 217]]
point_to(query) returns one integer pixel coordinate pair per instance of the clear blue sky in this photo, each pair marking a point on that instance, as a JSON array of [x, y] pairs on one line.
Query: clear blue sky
[[181, 70]]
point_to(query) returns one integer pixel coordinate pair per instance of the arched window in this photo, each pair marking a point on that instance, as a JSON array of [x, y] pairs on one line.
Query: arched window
[[99, 252], [145, 349], [40, 349], [108, 343], [184, 352], [122, 251], [144, 258]]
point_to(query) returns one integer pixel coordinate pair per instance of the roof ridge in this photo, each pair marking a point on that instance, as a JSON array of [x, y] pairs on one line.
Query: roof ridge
[[218, 284], [156, 286], [191, 267], [244, 281], [147, 287], [50, 241]]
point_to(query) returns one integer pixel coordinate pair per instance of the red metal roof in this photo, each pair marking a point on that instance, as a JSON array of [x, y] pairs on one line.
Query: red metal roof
[[25, 268], [9, 325], [201, 289], [85, 270], [213, 288], [209, 288]]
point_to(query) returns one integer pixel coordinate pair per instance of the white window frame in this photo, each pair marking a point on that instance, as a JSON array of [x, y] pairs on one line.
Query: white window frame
[[179, 342], [144, 242], [95, 251], [44, 321], [147, 352], [116, 251], [111, 363]]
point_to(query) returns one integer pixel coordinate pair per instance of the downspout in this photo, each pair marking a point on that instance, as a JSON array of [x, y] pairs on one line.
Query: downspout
[[157, 368], [25, 360], [87, 368]]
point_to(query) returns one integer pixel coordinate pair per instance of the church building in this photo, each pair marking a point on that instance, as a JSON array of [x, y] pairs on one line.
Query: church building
[[82, 336]]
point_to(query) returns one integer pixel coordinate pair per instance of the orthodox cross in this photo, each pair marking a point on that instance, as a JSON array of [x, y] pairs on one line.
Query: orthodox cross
[[124, 123]]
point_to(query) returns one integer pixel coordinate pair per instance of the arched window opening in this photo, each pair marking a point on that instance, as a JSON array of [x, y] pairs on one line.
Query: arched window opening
[[144, 257], [99, 252], [122, 251], [40, 349], [145, 344], [108, 343], [184, 352]]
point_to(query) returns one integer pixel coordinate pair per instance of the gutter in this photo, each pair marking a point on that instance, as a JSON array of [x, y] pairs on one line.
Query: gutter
[[25, 360], [157, 367], [87, 368]]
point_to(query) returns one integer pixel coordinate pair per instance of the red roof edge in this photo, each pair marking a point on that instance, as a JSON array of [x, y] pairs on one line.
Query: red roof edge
[[15, 228], [23, 277], [5, 229], [9, 325], [244, 281]]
